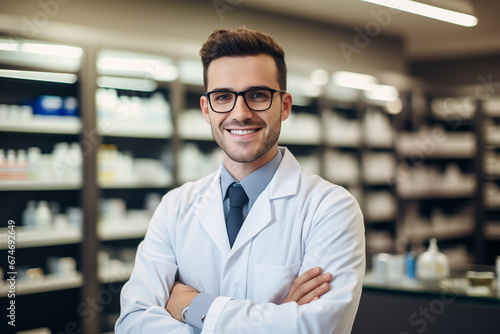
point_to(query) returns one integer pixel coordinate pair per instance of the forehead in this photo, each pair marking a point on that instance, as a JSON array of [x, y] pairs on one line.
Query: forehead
[[241, 72]]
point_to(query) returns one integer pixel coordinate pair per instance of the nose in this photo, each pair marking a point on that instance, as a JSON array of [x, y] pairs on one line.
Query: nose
[[241, 110]]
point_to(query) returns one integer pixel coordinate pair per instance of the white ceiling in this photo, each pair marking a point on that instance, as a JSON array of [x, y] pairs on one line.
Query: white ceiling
[[424, 38]]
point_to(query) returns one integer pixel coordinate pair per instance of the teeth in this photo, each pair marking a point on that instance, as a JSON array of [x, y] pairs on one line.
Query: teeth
[[242, 132]]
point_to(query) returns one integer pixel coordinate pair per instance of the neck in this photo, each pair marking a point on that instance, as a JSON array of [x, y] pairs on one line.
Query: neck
[[240, 170]]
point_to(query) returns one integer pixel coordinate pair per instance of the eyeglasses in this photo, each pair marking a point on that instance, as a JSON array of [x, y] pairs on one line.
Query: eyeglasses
[[256, 99]]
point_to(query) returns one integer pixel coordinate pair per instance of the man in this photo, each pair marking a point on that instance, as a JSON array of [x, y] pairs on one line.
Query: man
[[296, 263]]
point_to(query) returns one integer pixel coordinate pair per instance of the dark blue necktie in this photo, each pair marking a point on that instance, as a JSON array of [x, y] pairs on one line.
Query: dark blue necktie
[[237, 199]]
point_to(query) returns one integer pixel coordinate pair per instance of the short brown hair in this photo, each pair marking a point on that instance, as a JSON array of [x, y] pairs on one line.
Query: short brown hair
[[242, 42]]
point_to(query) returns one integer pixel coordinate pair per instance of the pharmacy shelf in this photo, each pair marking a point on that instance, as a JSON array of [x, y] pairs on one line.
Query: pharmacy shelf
[[443, 154], [457, 286], [436, 194], [26, 238], [453, 232], [379, 219], [43, 124], [382, 181], [136, 184], [160, 131], [39, 185], [46, 283], [128, 230], [113, 276]]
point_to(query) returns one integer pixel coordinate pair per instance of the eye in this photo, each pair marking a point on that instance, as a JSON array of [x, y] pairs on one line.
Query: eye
[[222, 97], [259, 95]]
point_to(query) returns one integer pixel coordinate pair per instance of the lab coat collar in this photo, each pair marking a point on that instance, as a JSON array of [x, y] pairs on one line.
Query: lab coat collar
[[211, 214], [286, 179], [284, 183]]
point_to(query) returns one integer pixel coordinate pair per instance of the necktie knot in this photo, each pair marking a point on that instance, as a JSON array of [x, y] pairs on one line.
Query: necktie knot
[[237, 196]]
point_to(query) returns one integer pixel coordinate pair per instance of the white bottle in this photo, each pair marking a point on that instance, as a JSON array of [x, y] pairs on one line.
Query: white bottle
[[29, 214], [34, 161], [59, 164], [432, 265], [43, 216], [22, 164]]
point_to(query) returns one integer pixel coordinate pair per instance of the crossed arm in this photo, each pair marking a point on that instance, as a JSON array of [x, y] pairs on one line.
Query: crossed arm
[[306, 288]]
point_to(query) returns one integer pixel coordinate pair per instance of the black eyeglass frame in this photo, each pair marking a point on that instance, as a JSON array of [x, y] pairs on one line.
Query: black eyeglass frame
[[242, 94]]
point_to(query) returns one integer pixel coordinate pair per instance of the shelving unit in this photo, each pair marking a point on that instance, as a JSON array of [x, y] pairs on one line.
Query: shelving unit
[[47, 283], [43, 124], [437, 174], [28, 76], [28, 238], [490, 181]]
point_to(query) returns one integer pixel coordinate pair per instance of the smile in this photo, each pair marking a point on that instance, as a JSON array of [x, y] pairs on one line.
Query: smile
[[242, 132]]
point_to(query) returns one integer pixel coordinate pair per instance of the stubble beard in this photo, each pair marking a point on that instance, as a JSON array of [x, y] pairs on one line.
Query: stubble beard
[[259, 152]]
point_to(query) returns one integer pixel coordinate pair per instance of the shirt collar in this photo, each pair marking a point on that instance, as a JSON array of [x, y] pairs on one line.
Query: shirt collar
[[254, 183]]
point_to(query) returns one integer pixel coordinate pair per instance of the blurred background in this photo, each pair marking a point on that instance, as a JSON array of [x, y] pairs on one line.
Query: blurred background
[[99, 117]]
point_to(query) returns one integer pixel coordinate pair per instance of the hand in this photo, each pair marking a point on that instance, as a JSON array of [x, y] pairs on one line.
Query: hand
[[309, 286], [181, 296]]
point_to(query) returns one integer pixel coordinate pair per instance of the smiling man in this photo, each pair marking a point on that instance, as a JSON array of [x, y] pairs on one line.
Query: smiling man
[[259, 246]]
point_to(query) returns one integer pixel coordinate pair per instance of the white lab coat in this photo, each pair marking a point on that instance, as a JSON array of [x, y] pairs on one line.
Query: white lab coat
[[298, 222]]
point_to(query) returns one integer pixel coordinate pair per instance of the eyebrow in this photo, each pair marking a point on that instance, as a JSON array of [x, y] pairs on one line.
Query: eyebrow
[[223, 89]]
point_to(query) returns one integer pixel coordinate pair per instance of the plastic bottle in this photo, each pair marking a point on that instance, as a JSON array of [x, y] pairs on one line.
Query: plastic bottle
[[59, 164], [29, 214], [34, 160], [432, 265], [11, 165], [43, 216], [410, 260], [22, 165]]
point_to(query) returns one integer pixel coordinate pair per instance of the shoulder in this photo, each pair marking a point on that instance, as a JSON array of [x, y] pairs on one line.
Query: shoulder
[[329, 202], [315, 185], [311, 188]]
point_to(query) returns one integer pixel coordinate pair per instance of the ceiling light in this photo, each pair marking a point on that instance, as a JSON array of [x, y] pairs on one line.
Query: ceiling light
[[432, 12], [156, 69], [142, 85], [8, 45], [353, 80], [39, 76], [53, 50]]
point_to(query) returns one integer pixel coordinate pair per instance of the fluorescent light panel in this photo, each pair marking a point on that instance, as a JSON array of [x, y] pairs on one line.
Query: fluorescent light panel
[[143, 85], [39, 76], [52, 50], [432, 12], [156, 68], [8, 46], [353, 80]]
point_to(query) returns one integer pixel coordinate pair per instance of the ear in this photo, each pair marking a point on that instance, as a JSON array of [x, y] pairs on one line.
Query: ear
[[286, 106], [205, 108]]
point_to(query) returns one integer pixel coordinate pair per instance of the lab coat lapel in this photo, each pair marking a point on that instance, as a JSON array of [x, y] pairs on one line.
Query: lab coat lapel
[[284, 183], [211, 214]]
